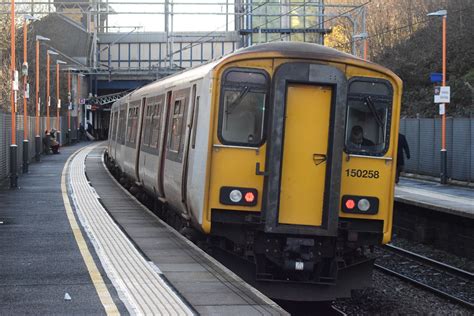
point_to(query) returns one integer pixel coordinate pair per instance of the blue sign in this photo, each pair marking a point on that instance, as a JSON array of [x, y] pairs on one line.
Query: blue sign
[[436, 77]]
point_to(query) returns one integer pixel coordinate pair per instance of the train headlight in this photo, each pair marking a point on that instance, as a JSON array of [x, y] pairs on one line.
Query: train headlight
[[235, 196], [363, 205], [238, 196]]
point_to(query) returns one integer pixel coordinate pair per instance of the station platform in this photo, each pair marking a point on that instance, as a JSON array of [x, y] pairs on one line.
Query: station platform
[[73, 241], [449, 199]]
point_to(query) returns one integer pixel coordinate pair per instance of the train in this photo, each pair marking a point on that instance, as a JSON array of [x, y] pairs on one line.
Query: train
[[281, 156]]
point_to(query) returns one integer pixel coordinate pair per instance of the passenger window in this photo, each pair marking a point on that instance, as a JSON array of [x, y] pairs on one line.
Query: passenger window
[[132, 125], [155, 125], [147, 123], [243, 103], [121, 131], [177, 125], [369, 107]]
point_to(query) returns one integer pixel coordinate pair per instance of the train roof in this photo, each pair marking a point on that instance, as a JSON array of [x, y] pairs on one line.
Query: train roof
[[296, 49], [277, 49]]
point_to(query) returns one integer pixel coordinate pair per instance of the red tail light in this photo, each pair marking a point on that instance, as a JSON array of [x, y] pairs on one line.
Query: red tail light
[[350, 204], [249, 197]]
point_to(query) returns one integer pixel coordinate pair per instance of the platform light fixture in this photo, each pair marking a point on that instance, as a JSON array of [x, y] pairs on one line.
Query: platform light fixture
[[444, 153], [58, 100], [48, 97], [26, 90], [37, 100], [78, 111], [13, 94]]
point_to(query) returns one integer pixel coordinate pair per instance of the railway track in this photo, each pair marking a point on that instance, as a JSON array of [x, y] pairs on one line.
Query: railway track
[[444, 280]]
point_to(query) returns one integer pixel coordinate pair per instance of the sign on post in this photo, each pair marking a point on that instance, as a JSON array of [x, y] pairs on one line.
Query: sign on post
[[82, 101], [442, 94]]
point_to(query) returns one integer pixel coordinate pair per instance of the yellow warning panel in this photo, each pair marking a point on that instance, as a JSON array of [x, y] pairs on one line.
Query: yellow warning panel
[[305, 149]]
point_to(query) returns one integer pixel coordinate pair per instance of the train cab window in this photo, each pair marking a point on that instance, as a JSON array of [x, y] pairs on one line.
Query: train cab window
[[242, 107], [369, 107]]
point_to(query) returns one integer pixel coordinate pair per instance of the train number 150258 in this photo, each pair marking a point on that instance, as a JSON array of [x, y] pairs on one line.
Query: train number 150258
[[362, 173]]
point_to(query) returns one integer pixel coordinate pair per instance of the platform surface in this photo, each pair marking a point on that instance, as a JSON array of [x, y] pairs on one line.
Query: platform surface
[[450, 199], [40, 261]]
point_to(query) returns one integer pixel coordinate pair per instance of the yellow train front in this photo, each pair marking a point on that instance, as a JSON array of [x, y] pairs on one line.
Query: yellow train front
[[300, 175], [282, 155]]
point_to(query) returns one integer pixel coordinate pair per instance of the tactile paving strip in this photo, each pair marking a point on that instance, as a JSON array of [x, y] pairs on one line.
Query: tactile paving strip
[[138, 280]]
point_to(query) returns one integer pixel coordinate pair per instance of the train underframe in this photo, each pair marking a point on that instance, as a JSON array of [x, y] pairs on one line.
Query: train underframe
[[282, 266], [296, 267]]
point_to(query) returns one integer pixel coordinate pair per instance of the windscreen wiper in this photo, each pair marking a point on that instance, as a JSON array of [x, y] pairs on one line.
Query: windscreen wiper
[[371, 106], [237, 101]]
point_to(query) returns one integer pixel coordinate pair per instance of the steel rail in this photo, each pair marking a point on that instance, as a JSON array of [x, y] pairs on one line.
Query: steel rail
[[431, 262], [425, 286]]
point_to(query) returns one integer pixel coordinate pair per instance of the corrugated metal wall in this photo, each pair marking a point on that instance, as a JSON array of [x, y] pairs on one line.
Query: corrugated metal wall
[[5, 139], [424, 139]]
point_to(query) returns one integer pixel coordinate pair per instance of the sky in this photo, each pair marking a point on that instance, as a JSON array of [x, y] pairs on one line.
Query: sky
[[182, 22]]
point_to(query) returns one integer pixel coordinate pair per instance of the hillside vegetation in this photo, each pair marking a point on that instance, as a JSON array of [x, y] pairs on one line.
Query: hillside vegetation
[[404, 39]]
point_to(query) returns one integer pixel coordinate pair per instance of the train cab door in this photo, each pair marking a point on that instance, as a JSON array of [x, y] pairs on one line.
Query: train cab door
[[304, 150]]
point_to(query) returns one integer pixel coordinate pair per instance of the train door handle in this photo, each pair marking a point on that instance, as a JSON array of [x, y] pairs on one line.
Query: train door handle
[[258, 172], [319, 159]]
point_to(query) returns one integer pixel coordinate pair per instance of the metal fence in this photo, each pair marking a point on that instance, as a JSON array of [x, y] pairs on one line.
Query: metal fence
[[424, 138], [5, 139]]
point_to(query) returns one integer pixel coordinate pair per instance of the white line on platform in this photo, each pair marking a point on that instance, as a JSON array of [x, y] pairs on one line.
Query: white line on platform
[[142, 285]]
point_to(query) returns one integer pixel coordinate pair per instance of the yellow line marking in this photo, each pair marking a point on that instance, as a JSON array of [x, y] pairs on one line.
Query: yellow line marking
[[97, 280]]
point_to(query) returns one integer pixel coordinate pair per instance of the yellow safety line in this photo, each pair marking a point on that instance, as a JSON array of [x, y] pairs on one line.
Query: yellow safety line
[[97, 280]]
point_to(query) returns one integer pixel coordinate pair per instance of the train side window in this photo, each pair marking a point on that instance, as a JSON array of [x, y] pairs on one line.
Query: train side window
[[114, 126], [242, 107], [121, 131], [147, 122], [369, 108], [155, 125], [177, 125], [132, 125]]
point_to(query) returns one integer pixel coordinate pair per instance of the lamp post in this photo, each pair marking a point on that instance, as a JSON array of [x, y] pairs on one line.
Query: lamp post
[[78, 111], [26, 91], [48, 97], [58, 101], [37, 100], [69, 107], [14, 90], [444, 152]]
